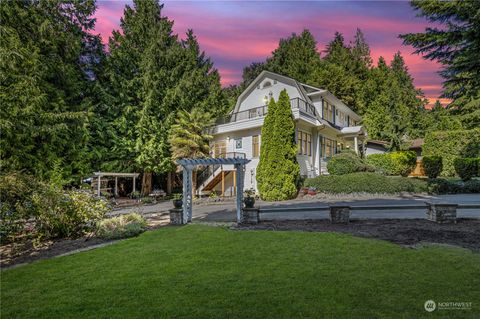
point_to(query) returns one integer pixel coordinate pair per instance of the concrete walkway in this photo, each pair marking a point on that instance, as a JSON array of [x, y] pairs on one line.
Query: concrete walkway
[[225, 211]]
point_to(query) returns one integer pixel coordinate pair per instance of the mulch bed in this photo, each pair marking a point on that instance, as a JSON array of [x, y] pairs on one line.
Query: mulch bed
[[408, 232]]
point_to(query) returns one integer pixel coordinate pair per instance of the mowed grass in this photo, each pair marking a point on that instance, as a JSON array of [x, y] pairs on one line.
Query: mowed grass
[[199, 271]]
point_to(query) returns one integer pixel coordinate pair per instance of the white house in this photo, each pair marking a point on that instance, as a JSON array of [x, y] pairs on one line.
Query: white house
[[324, 126]]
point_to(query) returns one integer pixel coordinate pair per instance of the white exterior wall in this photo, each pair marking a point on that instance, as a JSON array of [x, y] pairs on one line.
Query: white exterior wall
[[257, 97]]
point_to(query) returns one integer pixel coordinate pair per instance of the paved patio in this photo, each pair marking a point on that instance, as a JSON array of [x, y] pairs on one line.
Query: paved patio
[[225, 211]]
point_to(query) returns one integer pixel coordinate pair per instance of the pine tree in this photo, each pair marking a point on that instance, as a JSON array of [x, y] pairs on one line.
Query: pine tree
[[278, 171], [457, 47]]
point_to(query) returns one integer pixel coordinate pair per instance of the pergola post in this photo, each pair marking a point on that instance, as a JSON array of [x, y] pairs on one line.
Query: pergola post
[[239, 186], [116, 187], [187, 193], [98, 184], [134, 178]]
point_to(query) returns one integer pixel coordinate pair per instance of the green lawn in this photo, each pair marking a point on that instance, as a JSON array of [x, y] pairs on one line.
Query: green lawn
[[210, 272]]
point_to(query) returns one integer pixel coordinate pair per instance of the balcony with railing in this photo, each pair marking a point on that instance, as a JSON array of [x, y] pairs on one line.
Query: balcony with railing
[[261, 111]]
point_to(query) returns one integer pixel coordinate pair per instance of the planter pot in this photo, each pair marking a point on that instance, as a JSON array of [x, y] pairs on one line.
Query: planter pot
[[178, 203], [249, 202], [310, 192], [304, 191]]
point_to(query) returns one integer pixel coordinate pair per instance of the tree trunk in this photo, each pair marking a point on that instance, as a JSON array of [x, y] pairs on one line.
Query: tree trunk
[[146, 183], [169, 183]]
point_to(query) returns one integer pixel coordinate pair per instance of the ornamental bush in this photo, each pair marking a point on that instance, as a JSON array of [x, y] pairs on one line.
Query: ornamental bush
[[451, 145], [366, 183], [403, 162], [433, 165], [278, 172], [381, 162], [395, 163], [467, 168], [32, 209], [345, 163], [123, 226]]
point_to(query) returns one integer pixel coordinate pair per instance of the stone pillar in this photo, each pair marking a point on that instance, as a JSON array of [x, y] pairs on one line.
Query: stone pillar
[[250, 216], [176, 216], [239, 170], [442, 213], [340, 214]]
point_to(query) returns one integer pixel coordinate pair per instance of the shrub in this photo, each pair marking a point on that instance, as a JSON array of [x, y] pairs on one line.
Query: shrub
[[444, 186], [395, 163], [346, 163], [450, 145], [381, 162], [432, 165], [278, 171], [467, 168], [123, 226], [35, 209], [403, 162], [147, 200], [366, 183]]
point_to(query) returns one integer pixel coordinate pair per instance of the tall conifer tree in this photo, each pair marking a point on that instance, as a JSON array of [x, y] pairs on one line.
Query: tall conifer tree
[[278, 171]]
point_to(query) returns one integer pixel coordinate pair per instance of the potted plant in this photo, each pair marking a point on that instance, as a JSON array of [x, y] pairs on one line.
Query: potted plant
[[312, 191], [177, 200], [249, 200]]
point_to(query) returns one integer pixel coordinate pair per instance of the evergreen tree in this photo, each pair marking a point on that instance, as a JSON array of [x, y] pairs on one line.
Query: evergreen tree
[[278, 171], [151, 75], [47, 66], [457, 47]]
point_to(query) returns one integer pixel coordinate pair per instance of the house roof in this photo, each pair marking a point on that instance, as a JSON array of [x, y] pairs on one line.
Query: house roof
[[302, 88], [417, 143], [378, 142]]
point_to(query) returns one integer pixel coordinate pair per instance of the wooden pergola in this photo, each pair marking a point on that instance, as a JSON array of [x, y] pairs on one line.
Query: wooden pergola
[[99, 176], [189, 164]]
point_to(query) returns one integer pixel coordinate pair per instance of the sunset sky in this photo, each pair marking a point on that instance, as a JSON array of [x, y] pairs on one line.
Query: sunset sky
[[235, 34]]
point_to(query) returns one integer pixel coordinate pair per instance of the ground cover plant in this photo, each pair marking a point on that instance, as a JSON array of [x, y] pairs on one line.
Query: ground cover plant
[[210, 272], [123, 226], [366, 182]]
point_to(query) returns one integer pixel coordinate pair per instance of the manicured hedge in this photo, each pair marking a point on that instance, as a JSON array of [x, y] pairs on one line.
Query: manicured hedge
[[346, 162], [467, 168], [450, 145], [366, 183], [395, 163], [433, 165], [445, 186]]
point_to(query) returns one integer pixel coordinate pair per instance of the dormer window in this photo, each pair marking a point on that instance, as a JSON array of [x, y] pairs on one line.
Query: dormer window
[[267, 84]]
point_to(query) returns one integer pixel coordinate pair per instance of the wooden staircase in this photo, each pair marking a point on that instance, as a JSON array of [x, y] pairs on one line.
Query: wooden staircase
[[215, 180]]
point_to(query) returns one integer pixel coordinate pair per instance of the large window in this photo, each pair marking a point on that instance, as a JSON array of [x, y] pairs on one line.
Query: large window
[[304, 142], [329, 147], [255, 146], [328, 111]]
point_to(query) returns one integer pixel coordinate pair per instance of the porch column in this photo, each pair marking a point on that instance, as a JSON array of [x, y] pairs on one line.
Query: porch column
[[317, 156], [116, 187], [240, 178], [187, 193], [355, 139], [134, 179]]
